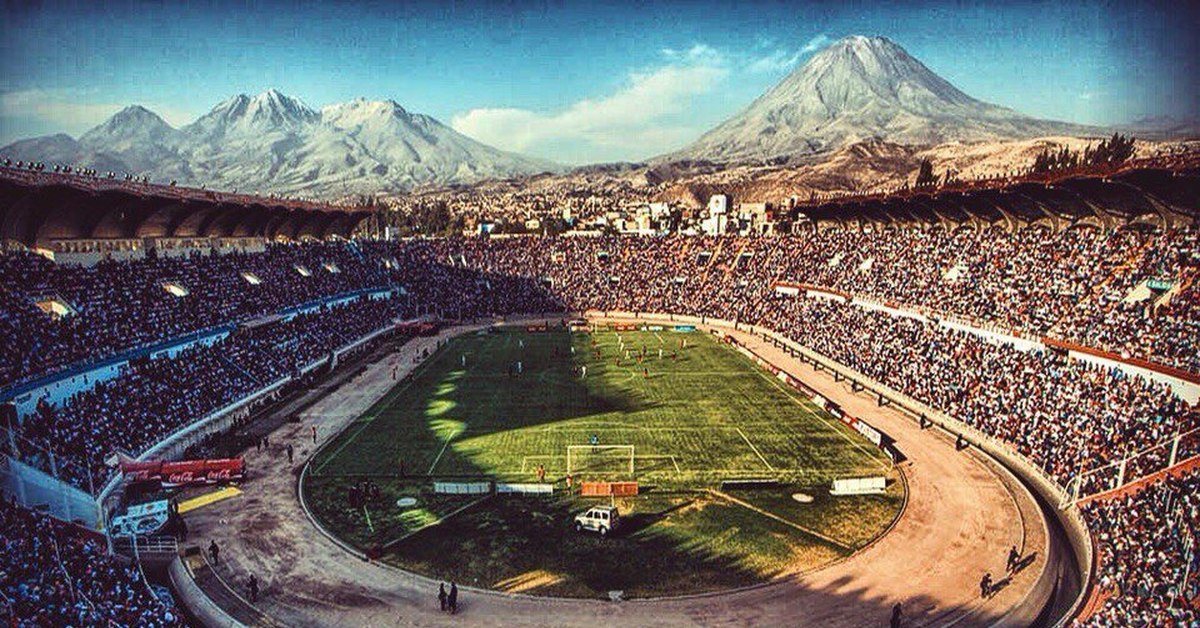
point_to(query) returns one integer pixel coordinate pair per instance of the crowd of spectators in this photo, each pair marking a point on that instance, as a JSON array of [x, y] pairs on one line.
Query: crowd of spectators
[[55, 574], [1067, 416], [118, 305], [1131, 291], [153, 397], [1147, 546]]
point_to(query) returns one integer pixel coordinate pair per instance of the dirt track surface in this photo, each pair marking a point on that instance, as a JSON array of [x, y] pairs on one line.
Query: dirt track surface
[[962, 516]]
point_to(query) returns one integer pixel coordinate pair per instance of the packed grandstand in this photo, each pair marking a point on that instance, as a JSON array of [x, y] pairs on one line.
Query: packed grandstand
[[985, 323]]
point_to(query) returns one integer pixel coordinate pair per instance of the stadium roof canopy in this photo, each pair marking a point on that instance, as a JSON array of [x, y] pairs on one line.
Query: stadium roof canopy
[[41, 207], [1162, 191]]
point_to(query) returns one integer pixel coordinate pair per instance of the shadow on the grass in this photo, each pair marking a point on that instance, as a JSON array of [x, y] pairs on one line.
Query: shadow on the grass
[[526, 545], [518, 536], [636, 522], [471, 389]]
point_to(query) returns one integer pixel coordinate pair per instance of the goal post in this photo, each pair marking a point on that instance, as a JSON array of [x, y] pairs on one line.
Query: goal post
[[600, 457]]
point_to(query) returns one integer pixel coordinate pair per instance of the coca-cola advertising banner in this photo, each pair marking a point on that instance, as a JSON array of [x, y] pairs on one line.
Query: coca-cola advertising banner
[[186, 472]]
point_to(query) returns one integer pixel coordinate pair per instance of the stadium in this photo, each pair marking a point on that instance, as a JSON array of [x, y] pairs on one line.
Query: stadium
[[968, 401]]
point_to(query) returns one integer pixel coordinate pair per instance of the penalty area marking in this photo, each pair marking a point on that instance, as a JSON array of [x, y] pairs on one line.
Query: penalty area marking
[[872, 454], [756, 472], [674, 460], [629, 426]]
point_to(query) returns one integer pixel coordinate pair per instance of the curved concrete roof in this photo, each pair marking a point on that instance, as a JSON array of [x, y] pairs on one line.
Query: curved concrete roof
[[39, 207], [1161, 190]]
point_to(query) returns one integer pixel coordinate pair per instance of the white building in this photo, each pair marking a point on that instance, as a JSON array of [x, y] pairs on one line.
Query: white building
[[717, 222], [719, 204]]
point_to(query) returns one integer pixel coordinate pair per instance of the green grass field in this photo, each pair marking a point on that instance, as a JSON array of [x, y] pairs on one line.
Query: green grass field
[[708, 415], [695, 416]]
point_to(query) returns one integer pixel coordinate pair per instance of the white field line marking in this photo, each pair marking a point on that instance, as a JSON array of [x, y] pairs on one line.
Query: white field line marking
[[755, 449], [439, 456], [660, 339], [386, 402], [672, 457], [604, 426], [770, 515], [753, 473], [871, 453], [680, 428], [747, 473]]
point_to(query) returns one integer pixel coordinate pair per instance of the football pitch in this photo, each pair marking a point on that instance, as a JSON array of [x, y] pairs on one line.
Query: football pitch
[[507, 403], [676, 408]]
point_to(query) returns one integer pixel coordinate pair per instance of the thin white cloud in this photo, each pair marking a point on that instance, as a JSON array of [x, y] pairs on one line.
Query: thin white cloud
[[781, 60], [777, 61], [698, 54], [72, 111], [56, 108], [642, 118], [816, 43]]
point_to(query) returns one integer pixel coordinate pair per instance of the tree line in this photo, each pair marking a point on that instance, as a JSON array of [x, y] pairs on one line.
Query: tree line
[[1114, 150]]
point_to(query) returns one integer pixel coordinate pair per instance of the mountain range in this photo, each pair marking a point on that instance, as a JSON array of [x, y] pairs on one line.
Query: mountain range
[[858, 89], [275, 143]]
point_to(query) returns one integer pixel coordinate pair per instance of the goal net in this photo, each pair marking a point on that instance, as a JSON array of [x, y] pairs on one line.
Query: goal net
[[600, 458]]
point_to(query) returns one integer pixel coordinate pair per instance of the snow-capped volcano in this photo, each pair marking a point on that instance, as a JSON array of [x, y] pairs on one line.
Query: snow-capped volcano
[[271, 142], [267, 112], [857, 89]]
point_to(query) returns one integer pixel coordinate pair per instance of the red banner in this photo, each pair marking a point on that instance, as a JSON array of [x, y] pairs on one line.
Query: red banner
[[605, 489], [186, 472], [419, 329]]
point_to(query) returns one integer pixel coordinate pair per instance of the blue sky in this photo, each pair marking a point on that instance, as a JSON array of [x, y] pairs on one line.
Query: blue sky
[[577, 83]]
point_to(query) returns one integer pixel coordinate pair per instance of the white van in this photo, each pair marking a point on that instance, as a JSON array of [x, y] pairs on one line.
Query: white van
[[602, 519]]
